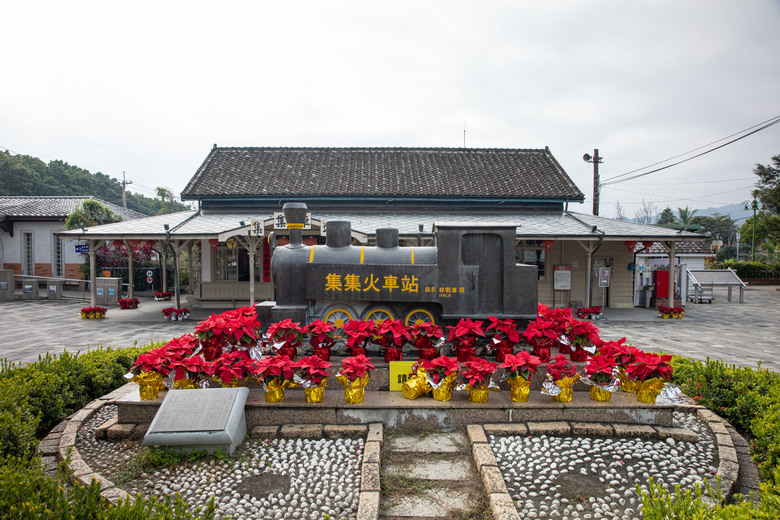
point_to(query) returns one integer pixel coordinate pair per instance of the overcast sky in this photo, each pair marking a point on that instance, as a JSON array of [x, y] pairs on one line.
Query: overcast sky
[[149, 87]]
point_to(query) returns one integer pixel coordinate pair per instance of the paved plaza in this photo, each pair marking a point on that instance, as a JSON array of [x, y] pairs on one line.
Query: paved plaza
[[742, 334]]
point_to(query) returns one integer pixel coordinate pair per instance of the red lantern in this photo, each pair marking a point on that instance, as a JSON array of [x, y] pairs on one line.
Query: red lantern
[[150, 243], [311, 241], [134, 243], [197, 244], [118, 244], [282, 241], [214, 243], [630, 244], [648, 244], [547, 244]]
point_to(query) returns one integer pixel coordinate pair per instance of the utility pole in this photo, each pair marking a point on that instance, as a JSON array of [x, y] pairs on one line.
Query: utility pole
[[124, 183], [596, 181]]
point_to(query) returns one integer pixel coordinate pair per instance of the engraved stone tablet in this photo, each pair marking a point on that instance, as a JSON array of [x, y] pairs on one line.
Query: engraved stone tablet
[[203, 419]]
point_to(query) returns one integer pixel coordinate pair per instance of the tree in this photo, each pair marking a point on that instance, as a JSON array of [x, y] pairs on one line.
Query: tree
[[646, 212], [166, 200], [720, 227], [620, 212], [90, 213], [666, 217], [767, 233], [768, 185], [685, 215]]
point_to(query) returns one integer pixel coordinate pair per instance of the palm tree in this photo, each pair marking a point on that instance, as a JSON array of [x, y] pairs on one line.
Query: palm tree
[[685, 215]]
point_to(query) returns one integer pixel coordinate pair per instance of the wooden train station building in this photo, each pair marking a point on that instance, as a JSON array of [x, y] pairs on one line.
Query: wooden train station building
[[582, 260]]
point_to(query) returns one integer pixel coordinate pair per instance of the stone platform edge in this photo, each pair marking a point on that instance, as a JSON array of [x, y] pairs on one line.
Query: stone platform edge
[[60, 445]]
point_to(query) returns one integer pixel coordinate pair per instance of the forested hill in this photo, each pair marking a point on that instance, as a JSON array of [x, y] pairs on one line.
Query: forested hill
[[29, 176]]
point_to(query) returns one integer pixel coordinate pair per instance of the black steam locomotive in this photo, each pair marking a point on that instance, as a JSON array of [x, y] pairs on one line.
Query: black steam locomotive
[[470, 272]]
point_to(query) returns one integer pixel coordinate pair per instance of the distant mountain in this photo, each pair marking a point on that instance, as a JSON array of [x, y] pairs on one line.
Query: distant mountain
[[735, 211]]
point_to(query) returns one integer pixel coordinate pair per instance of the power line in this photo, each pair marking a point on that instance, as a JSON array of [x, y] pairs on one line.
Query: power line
[[753, 129]]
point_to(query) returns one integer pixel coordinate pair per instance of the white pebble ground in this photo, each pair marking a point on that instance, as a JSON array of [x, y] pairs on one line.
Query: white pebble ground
[[291, 479], [595, 478]]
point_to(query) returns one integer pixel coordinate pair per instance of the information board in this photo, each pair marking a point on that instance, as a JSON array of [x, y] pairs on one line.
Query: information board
[[562, 278]]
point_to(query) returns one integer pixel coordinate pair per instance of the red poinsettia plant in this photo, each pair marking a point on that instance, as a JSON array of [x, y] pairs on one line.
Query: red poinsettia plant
[[156, 360], [541, 333], [560, 367], [356, 366], [192, 367], [313, 369], [233, 365], [425, 334], [391, 333], [521, 364], [287, 332], [244, 328], [182, 346], [441, 367], [585, 313], [623, 354], [559, 316], [477, 373], [213, 333], [358, 333], [504, 333], [601, 368], [649, 365], [127, 303], [583, 334], [272, 368], [322, 334], [465, 333]]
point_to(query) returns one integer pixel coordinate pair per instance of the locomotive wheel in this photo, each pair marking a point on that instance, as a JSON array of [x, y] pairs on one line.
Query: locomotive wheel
[[378, 314], [338, 315], [419, 315]]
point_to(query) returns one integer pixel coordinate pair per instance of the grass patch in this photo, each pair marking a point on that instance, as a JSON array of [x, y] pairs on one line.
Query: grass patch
[[480, 510], [399, 485]]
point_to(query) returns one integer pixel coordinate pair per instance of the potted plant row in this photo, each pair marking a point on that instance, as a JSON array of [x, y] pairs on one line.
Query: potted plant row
[[88, 313], [174, 314], [128, 303]]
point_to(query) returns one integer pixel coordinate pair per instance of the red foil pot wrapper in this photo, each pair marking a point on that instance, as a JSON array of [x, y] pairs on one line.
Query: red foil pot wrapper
[[393, 354], [322, 353], [578, 354], [501, 353], [464, 354], [428, 353], [358, 351], [290, 352], [543, 353]]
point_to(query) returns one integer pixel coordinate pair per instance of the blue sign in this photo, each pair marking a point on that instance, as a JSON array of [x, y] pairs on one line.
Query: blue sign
[[82, 248]]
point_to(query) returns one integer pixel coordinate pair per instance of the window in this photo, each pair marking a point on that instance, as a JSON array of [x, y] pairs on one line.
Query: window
[[28, 267], [533, 252], [231, 264], [59, 265]]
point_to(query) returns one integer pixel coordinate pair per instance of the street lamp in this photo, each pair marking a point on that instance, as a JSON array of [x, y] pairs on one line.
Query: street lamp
[[596, 182], [754, 207]]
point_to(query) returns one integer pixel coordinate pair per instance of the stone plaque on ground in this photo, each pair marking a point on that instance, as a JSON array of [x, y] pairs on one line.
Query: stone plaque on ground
[[209, 419]]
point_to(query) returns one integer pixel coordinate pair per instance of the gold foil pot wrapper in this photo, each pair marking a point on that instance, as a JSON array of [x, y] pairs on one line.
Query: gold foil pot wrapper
[[560, 390], [149, 385], [626, 384], [274, 390], [480, 393], [315, 394], [648, 390], [236, 382], [519, 389], [185, 383], [443, 390], [416, 385], [598, 393], [353, 390]]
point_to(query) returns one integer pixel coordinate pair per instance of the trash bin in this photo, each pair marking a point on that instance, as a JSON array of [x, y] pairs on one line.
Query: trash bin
[[54, 289], [6, 285], [107, 291]]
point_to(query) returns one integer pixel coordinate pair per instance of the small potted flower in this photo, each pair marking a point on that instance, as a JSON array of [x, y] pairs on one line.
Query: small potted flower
[[313, 377], [561, 376], [322, 337], [213, 335], [162, 296], [542, 336], [583, 338], [425, 337], [441, 373], [128, 303], [588, 313], [392, 335], [677, 312], [601, 373], [287, 336], [190, 371], [504, 338], [358, 333], [651, 370], [519, 368], [232, 369], [149, 370], [274, 374], [416, 383], [623, 355], [476, 377], [463, 337], [244, 331], [559, 320], [93, 312], [354, 374]]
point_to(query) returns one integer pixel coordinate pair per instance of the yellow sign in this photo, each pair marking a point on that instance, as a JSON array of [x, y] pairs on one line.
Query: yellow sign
[[231, 243], [399, 371]]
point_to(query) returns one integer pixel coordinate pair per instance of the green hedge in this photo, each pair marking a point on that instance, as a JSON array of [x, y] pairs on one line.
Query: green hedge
[[750, 269]]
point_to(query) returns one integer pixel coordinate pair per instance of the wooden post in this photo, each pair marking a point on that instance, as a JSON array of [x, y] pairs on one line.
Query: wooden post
[[92, 267], [129, 270]]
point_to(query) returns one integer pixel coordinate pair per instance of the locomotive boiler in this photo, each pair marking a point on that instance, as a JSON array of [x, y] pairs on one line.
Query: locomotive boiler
[[470, 272]]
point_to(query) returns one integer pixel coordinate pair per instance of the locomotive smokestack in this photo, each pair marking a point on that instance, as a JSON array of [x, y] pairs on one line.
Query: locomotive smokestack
[[295, 216], [387, 237], [339, 234]]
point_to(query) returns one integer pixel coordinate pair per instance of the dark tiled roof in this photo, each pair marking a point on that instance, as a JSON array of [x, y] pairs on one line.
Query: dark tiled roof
[[54, 207], [680, 248], [382, 172]]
